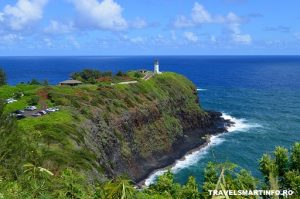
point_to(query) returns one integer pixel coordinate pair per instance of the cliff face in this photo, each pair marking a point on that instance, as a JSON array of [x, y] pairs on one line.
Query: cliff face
[[107, 131], [152, 133]]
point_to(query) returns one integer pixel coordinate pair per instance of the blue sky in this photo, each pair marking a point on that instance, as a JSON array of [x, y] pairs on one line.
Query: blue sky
[[149, 27]]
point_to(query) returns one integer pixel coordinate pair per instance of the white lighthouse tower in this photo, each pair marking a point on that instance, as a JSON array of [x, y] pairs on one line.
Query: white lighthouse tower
[[156, 67]]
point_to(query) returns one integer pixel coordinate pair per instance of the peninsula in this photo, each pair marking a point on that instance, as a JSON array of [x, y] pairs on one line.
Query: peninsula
[[105, 128]]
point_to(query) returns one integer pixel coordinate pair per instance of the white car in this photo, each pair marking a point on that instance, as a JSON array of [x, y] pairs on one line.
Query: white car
[[50, 110], [10, 100], [30, 108]]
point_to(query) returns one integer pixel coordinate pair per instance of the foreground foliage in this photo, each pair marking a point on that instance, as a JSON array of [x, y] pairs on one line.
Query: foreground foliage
[[23, 177], [47, 157]]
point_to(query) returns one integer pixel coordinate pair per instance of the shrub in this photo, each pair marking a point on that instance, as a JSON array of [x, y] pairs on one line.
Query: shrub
[[33, 100]]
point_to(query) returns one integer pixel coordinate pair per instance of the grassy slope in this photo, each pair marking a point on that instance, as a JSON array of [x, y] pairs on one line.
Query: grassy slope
[[61, 141]]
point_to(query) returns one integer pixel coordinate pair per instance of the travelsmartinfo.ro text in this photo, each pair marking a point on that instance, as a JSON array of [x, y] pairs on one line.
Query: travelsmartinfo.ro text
[[284, 193]]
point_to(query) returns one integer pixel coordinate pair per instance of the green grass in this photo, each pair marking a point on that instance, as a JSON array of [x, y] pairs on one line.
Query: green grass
[[59, 117], [9, 91], [61, 140]]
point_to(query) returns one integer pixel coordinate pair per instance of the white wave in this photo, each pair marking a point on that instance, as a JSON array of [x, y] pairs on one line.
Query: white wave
[[239, 124], [192, 158], [201, 89], [186, 161]]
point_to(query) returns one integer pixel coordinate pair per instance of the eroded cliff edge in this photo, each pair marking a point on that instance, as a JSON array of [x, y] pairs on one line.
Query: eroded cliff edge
[[106, 130], [160, 121]]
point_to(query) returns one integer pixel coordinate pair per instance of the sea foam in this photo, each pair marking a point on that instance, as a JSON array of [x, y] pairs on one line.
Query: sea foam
[[192, 158], [240, 125], [201, 89]]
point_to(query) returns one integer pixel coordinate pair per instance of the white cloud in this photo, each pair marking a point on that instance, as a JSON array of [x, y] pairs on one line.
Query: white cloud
[[138, 23], [233, 18], [173, 35], [1, 17], [10, 38], [105, 15], [22, 14], [213, 39], [190, 36], [73, 42], [242, 39], [48, 42], [56, 27], [137, 39], [200, 16], [183, 22], [234, 28]]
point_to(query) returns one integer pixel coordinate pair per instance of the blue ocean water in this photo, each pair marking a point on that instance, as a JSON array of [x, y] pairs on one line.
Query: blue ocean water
[[261, 93]]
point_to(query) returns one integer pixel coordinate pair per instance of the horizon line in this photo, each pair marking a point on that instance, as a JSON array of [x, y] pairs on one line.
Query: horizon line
[[228, 55]]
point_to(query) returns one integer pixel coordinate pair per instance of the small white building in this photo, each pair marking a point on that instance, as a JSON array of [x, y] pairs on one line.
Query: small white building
[[156, 67]]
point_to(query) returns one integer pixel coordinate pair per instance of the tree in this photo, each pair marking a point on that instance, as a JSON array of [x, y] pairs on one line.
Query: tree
[[295, 157], [280, 171], [281, 160], [90, 76], [120, 188], [45, 83], [34, 100], [166, 185], [120, 74], [227, 176], [210, 177], [2, 77], [34, 82], [190, 190], [14, 150]]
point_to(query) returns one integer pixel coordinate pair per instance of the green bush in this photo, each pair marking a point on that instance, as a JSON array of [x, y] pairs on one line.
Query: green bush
[[34, 100]]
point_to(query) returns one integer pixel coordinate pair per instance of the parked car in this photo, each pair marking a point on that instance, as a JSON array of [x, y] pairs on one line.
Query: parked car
[[19, 112], [30, 108], [36, 115], [50, 110], [10, 100], [42, 112], [20, 116]]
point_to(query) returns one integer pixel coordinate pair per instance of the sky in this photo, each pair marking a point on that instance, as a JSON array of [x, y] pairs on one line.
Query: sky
[[149, 27]]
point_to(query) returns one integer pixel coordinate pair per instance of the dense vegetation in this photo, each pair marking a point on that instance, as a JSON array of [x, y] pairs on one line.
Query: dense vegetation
[[136, 121], [95, 76], [23, 177], [103, 131]]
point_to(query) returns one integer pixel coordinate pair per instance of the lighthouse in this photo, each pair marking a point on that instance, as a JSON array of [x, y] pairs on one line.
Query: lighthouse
[[156, 67]]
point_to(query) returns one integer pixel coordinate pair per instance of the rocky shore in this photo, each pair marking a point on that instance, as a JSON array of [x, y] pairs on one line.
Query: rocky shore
[[189, 142]]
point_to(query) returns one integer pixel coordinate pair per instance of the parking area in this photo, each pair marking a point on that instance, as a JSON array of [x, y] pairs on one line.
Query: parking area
[[33, 111]]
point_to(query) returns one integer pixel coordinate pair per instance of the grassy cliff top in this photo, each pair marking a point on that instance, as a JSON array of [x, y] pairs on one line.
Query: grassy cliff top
[[58, 136]]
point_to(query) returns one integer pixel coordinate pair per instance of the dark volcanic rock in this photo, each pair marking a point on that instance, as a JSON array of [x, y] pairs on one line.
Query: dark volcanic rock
[[106, 144], [191, 140], [165, 123]]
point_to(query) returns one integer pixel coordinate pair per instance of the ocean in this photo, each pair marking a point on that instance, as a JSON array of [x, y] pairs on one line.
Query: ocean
[[261, 94]]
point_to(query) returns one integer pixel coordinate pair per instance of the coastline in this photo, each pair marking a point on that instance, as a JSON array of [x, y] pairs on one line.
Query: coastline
[[194, 142], [144, 183]]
